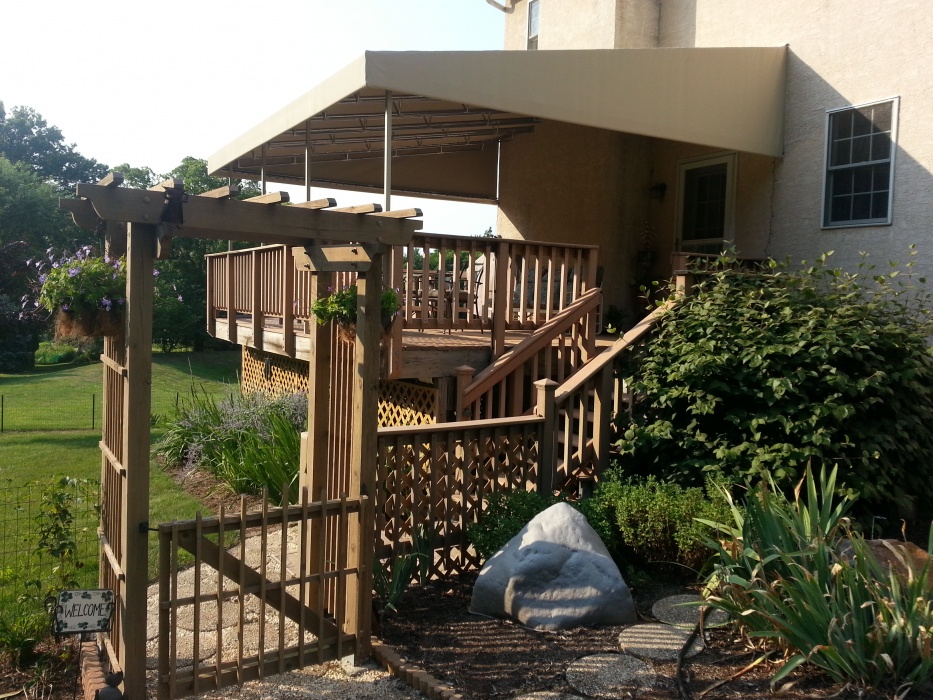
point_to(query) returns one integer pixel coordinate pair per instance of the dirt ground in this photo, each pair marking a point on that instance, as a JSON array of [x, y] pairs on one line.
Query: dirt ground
[[488, 659]]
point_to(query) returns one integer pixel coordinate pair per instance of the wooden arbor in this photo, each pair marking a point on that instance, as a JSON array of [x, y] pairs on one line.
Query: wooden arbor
[[141, 224]]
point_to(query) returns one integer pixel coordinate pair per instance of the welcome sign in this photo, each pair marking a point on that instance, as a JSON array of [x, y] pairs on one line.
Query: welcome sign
[[83, 611]]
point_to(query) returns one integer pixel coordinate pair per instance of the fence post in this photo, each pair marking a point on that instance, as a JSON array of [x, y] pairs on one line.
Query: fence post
[[547, 445], [464, 377], [602, 414]]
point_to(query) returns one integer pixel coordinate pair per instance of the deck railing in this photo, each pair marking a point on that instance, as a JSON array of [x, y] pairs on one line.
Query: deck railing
[[482, 283]]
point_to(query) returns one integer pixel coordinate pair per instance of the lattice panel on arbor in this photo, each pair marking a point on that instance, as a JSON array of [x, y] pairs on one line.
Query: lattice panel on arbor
[[272, 374], [406, 403], [400, 403], [437, 482]]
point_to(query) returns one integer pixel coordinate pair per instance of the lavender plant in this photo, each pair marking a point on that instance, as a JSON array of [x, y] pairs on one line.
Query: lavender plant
[[248, 441]]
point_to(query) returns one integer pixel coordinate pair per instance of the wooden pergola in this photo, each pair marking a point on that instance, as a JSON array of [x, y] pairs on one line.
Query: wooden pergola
[[141, 224]]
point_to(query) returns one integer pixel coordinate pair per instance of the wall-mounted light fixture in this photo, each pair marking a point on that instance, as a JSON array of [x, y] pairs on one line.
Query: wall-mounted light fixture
[[657, 191]]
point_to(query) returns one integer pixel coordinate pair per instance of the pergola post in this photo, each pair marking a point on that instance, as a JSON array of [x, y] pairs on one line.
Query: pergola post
[[140, 254], [363, 450]]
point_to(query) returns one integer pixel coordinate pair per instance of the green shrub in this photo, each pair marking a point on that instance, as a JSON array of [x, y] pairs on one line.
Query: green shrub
[[762, 373], [507, 512], [653, 521], [22, 625], [249, 442], [785, 576], [55, 353]]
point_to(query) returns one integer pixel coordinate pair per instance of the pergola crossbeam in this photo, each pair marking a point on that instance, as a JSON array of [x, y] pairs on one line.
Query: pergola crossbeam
[[230, 219], [325, 203], [172, 183], [360, 209], [224, 192], [269, 198], [111, 179]]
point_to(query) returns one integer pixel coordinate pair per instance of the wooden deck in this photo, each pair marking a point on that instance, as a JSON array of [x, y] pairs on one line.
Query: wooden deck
[[487, 296], [426, 353]]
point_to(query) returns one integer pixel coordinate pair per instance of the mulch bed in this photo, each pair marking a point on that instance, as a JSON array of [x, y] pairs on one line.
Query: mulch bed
[[54, 676], [487, 659]]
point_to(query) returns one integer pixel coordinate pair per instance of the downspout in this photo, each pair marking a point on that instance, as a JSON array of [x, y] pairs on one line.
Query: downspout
[[499, 6]]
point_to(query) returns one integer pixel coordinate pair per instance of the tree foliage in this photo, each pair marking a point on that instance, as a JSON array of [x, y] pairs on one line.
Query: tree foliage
[[763, 373], [25, 137], [179, 314]]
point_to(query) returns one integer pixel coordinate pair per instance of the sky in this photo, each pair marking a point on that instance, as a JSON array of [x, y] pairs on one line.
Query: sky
[[150, 83]]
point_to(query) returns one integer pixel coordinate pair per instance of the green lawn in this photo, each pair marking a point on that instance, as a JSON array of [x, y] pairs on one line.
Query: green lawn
[[31, 456]]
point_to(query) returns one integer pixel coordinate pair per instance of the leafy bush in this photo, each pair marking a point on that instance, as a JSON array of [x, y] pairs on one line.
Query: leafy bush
[[785, 575], [654, 521], [391, 578], [507, 512], [22, 625], [52, 353], [341, 306], [249, 442], [761, 373]]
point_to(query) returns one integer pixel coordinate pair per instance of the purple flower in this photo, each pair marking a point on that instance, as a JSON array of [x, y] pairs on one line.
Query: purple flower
[[73, 271], [107, 259], [121, 301], [42, 278], [65, 307], [155, 273], [106, 303], [55, 265], [179, 298]]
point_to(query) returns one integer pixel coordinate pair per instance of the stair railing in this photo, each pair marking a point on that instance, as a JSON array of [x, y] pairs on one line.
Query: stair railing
[[556, 350]]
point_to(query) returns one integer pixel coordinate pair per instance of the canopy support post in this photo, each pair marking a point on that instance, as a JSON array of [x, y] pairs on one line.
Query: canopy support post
[[308, 161], [387, 157]]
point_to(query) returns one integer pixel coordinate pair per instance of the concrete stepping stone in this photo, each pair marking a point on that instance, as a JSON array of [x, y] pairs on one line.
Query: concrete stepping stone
[[609, 675], [657, 642], [673, 611]]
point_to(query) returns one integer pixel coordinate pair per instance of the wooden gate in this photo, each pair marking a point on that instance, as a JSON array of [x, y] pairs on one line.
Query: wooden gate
[[253, 604]]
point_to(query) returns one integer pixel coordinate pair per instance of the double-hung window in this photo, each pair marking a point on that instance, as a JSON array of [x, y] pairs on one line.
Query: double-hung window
[[534, 14], [860, 145], [706, 203]]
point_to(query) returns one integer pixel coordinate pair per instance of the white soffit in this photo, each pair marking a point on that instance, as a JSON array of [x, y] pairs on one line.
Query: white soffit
[[456, 106]]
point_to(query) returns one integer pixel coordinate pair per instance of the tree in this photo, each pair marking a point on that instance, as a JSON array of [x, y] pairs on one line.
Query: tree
[[25, 137], [179, 315], [139, 178]]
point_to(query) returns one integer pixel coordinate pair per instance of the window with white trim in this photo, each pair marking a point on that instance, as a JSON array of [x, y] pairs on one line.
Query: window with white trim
[[860, 145], [706, 205], [534, 13]]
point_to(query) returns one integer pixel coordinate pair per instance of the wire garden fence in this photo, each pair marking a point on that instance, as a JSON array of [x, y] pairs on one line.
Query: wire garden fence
[[47, 530], [68, 411]]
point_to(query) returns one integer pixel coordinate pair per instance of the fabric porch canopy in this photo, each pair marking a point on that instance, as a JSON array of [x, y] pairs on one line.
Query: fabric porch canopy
[[452, 108]]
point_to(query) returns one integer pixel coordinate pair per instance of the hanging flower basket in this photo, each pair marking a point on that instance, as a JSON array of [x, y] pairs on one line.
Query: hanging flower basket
[[97, 323], [86, 294], [340, 306]]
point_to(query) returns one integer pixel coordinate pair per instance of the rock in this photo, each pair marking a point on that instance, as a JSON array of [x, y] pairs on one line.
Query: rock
[[610, 675], [893, 555], [674, 610], [657, 642], [555, 574]]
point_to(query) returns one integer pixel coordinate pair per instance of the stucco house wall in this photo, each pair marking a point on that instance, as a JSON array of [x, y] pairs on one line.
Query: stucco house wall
[[841, 52]]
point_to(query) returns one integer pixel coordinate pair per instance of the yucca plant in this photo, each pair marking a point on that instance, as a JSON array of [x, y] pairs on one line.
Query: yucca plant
[[794, 574]]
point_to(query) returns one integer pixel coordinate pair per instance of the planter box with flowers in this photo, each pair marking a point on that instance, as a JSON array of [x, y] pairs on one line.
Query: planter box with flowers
[[85, 293], [340, 307]]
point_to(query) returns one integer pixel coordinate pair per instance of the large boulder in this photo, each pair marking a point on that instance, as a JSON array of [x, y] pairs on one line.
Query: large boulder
[[555, 574]]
